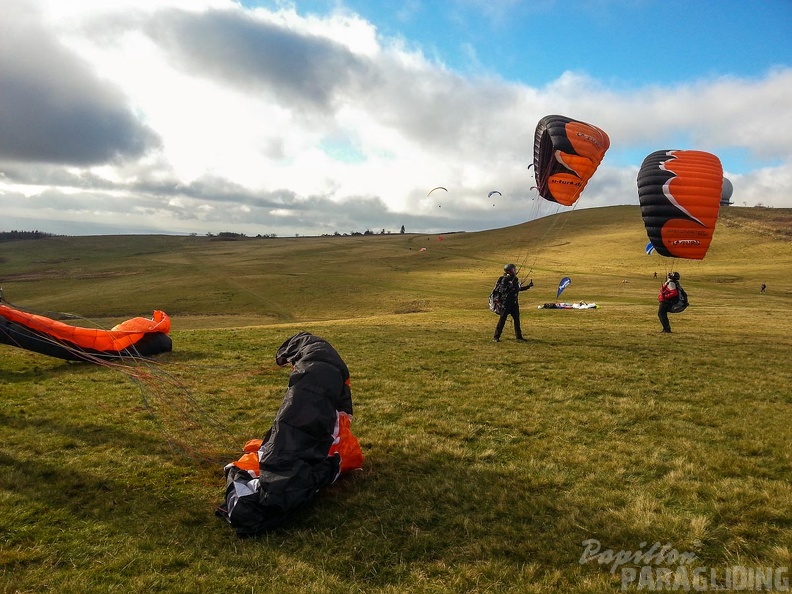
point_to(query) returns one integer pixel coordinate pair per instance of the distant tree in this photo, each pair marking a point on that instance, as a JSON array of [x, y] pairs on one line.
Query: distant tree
[[229, 236], [23, 235]]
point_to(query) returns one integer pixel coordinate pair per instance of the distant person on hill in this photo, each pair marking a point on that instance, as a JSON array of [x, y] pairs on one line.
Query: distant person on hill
[[763, 289], [666, 297], [509, 287]]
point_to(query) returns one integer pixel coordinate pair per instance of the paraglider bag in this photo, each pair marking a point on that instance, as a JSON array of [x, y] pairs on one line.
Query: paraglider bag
[[681, 302], [496, 301]]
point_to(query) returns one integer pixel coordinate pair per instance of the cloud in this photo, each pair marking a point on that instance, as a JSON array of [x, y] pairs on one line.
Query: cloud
[[53, 108], [186, 117], [232, 47]]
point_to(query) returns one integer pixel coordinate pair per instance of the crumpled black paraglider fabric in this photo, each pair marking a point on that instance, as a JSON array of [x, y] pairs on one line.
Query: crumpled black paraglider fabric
[[298, 455]]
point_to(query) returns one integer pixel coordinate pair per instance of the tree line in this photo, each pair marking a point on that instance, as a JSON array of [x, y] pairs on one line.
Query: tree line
[[17, 235]]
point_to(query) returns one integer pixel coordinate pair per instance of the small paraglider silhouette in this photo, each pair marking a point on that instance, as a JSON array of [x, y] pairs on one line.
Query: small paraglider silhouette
[[494, 192], [437, 188]]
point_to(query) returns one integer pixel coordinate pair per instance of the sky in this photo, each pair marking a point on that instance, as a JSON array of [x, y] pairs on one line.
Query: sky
[[319, 117]]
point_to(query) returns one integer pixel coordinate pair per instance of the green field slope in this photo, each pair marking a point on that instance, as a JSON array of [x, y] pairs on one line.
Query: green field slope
[[266, 280]]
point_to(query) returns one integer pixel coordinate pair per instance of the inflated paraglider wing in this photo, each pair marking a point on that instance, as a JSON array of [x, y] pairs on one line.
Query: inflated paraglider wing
[[437, 188], [136, 337], [680, 195], [308, 446], [566, 154], [726, 192]]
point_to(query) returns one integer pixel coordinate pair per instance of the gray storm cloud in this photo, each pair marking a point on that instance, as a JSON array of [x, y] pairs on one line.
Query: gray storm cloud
[[54, 108], [299, 69]]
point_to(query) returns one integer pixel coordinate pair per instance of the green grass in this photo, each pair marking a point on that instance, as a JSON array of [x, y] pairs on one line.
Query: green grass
[[487, 465]]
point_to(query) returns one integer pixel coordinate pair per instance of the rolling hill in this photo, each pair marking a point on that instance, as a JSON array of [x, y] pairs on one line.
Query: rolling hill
[[270, 280]]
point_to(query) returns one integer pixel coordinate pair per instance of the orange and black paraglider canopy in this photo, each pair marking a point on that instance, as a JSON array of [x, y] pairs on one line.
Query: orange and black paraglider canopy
[[567, 152], [680, 194], [136, 337]]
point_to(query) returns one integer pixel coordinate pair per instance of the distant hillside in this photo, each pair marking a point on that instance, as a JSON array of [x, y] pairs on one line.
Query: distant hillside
[[268, 280]]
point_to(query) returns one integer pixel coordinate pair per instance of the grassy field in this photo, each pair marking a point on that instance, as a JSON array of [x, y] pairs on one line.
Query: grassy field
[[487, 465]]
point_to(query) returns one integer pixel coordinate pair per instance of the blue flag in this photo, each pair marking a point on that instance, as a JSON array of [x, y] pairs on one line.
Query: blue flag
[[565, 282], [649, 248]]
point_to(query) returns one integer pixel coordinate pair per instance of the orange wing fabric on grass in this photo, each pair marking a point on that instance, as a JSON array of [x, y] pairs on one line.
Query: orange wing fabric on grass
[[346, 445], [567, 152], [120, 337], [680, 194]]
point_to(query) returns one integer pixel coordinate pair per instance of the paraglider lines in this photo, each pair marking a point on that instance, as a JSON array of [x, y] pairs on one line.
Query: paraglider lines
[[185, 424]]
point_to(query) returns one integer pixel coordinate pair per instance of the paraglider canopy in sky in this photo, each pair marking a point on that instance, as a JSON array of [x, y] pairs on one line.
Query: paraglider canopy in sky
[[726, 192], [567, 152], [437, 188], [680, 194]]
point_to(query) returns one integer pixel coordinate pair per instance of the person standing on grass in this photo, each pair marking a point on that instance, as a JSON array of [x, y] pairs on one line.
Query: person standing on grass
[[667, 296], [509, 288], [763, 289]]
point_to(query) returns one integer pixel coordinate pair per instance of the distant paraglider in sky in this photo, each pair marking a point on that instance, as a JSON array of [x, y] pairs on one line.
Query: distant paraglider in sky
[[680, 193], [567, 152], [433, 190]]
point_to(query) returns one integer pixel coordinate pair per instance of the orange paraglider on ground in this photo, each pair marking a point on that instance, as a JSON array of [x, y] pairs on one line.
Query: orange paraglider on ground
[[134, 337]]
